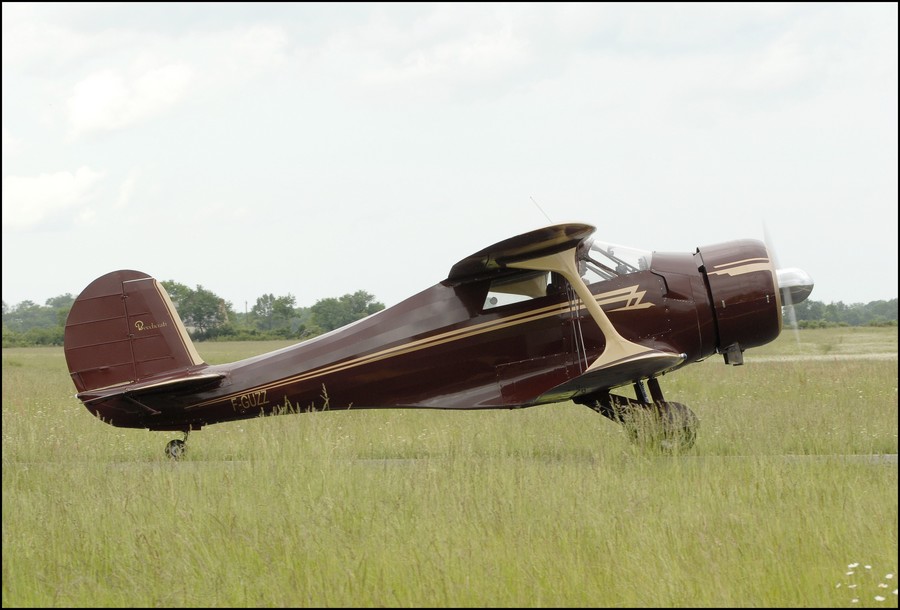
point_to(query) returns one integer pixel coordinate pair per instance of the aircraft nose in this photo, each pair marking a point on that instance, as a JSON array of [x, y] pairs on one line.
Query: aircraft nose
[[795, 285]]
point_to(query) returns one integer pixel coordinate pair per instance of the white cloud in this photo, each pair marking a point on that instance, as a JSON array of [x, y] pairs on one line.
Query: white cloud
[[163, 70], [471, 57], [107, 100], [29, 202], [441, 48]]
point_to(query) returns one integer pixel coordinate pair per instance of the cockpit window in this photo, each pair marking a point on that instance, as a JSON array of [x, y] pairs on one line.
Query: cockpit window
[[602, 261], [597, 262]]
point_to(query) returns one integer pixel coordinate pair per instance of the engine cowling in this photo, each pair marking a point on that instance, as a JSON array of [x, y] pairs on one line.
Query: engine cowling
[[743, 289]]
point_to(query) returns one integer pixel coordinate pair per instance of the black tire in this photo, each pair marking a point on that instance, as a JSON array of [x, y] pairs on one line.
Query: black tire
[[663, 426], [175, 449]]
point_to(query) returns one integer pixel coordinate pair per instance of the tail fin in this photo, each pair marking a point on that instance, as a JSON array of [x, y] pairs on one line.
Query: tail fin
[[123, 329]]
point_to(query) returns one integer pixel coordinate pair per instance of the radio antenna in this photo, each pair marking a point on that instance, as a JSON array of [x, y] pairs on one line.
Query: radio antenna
[[541, 209]]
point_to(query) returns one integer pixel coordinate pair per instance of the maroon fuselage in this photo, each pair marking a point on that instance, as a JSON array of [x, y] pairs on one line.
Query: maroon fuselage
[[441, 349]]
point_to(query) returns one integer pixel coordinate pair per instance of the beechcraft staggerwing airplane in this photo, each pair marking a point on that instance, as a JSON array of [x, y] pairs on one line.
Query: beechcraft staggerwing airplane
[[548, 316]]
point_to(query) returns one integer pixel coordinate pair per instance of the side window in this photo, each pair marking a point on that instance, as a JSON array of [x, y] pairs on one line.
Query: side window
[[518, 288]]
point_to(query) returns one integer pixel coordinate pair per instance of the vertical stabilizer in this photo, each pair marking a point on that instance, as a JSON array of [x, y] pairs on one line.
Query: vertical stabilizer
[[123, 328]]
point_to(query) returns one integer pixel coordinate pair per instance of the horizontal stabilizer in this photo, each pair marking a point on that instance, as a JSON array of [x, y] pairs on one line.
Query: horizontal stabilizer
[[189, 383]]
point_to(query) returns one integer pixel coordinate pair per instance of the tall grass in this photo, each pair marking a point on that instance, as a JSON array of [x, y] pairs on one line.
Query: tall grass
[[783, 492]]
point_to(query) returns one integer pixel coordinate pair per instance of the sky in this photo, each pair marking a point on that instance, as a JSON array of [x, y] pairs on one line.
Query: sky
[[319, 149]]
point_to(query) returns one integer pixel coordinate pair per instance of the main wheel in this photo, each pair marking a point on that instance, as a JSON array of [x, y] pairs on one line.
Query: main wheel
[[175, 449], [662, 426]]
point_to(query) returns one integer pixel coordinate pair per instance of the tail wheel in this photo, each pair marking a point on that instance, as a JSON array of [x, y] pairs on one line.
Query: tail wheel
[[665, 426], [175, 449]]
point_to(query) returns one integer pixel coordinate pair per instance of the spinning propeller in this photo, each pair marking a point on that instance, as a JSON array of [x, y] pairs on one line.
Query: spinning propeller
[[794, 283]]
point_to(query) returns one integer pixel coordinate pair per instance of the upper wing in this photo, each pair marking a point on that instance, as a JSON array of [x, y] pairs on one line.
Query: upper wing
[[537, 243]]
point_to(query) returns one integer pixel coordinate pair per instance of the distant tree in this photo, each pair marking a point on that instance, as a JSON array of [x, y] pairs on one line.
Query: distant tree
[[328, 314], [875, 313], [61, 305], [204, 310], [882, 313], [273, 313], [834, 312], [179, 293], [63, 301], [809, 310], [201, 310], [333, 313], [27, 315], [263, 311], [283, 308]]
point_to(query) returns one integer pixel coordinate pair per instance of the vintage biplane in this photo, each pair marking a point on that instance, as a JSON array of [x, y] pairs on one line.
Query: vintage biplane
[[548, 316]]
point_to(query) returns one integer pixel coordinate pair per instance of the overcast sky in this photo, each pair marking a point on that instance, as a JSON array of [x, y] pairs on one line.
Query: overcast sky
[[321, 149]]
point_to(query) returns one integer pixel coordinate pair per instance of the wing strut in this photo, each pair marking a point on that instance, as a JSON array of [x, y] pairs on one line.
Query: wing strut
[[619, 350]]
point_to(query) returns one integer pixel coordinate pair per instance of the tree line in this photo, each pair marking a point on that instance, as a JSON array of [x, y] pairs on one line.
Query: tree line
[[815, 314], [208, 317]]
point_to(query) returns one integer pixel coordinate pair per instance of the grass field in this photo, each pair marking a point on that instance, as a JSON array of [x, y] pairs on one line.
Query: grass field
[[786, 500]]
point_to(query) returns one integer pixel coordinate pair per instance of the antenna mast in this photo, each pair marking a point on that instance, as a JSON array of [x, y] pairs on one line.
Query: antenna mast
[[541, 209]]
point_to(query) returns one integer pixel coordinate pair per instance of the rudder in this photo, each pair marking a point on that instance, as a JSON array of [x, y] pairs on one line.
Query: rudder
[[123, 328]]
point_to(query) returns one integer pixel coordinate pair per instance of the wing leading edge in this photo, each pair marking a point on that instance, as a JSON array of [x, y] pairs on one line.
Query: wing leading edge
[[534, 244]]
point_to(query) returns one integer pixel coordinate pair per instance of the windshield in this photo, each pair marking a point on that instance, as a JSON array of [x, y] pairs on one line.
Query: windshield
[[597, 262], [603, 260]]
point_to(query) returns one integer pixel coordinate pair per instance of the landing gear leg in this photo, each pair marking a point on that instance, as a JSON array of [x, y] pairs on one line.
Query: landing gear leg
[[175, 448], [651, 422]]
